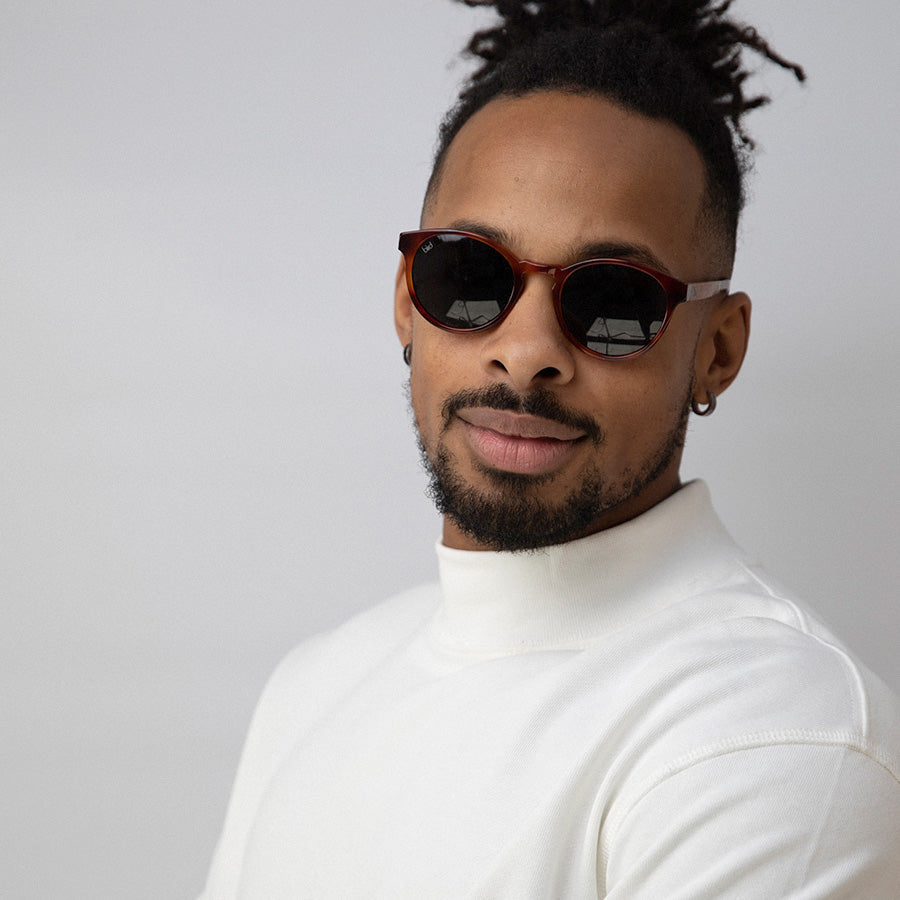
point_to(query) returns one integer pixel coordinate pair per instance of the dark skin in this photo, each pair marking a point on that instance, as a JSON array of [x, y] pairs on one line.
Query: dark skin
[[560, 176]]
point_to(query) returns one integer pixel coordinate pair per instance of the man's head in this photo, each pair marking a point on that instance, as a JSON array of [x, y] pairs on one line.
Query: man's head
[[530, 439]]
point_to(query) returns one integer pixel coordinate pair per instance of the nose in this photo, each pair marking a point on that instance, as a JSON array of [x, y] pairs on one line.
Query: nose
[[528, 348]]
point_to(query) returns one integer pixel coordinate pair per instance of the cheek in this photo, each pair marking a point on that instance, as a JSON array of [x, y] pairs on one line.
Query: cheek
[[419, 401], [638, 400], [433, 377], [662, 376]]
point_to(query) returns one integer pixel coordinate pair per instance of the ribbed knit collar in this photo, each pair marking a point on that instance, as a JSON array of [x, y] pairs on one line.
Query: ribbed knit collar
[[570, 595]]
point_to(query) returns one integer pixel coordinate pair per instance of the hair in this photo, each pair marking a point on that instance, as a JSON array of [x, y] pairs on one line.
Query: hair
[[673, 60]]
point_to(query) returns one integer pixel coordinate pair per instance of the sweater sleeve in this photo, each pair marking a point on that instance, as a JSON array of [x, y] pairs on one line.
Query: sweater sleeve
[[786, 820]]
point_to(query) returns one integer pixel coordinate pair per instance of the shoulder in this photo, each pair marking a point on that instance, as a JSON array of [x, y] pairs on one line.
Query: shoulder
[[333, 660], [757, 730], [309, 680], [748, 665]]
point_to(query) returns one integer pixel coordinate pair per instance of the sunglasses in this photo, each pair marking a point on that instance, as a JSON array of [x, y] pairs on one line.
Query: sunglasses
[[612, 308]]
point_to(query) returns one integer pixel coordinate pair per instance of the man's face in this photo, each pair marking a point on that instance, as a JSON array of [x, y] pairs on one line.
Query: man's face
[[530, 440]]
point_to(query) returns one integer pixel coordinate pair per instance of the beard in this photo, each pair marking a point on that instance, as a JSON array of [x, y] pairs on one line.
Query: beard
[[509, 515]]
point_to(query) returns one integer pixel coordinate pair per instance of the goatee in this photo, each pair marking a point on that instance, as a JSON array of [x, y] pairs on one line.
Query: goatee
[[510, 515]]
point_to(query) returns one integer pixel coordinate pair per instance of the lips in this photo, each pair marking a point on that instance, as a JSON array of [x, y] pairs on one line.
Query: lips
[[513, 442]]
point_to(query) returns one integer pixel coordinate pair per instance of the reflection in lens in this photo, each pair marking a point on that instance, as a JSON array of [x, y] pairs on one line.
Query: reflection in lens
[[471, 313]]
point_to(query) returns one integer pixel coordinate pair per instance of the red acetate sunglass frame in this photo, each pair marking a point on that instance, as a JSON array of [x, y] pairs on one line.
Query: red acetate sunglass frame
[[677, 292]]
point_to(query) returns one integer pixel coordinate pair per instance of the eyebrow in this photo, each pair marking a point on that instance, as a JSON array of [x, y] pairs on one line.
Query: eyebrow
[[611, 249]]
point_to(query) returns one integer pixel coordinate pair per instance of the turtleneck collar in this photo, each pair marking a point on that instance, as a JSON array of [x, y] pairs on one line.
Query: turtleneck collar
[[569, 595]]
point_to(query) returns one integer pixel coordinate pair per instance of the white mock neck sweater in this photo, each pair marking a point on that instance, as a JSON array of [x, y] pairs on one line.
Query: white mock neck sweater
[[637, 715]]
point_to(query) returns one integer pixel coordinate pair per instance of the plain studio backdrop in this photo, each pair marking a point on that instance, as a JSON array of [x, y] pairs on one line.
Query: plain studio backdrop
[[206, 453]]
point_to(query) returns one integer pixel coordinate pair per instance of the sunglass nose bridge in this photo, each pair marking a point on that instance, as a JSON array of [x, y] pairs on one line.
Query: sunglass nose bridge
[[534, 268]]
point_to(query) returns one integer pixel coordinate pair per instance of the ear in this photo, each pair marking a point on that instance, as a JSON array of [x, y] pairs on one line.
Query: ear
[[403, 307], [722, 345]]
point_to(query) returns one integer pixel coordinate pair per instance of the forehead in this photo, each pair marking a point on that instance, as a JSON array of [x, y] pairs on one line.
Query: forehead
[[558, 171]]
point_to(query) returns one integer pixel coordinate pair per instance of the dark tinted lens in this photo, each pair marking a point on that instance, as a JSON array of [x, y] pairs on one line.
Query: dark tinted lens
[[461, 281], [613, 310]]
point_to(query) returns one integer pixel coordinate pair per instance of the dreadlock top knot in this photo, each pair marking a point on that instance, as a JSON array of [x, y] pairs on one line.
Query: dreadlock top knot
[[698, 29], [676, 60]]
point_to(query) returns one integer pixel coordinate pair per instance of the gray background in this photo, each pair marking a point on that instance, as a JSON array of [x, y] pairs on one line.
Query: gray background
[[205, 446]]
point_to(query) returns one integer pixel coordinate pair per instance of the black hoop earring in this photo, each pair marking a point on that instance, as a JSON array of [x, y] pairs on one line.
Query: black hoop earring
[[705, 410], [407, 354]]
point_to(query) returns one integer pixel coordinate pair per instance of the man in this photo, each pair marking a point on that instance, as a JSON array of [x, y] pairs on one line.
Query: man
[[602, 697]]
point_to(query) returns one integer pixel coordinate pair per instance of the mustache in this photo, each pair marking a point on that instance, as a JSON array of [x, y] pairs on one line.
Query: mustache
[[540, 402]]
